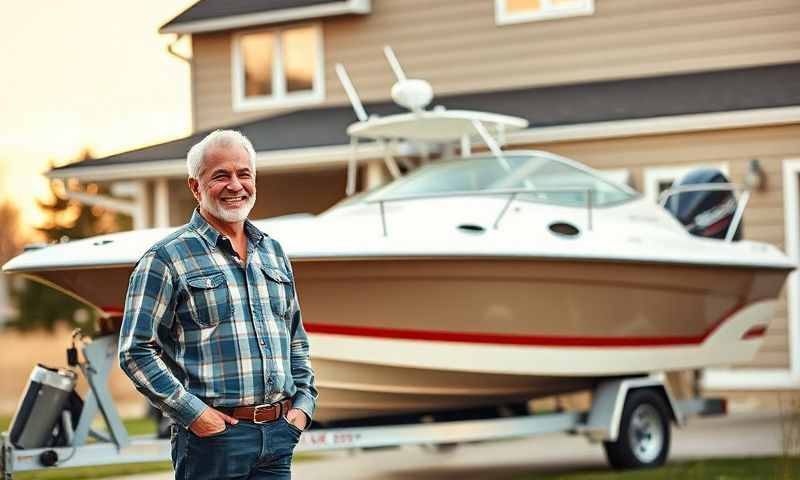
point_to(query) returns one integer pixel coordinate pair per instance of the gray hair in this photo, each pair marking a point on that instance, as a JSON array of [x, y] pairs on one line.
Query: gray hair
[[217, 138]]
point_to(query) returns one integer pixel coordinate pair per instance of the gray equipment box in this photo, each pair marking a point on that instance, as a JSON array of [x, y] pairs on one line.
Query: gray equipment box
[[39, 409]]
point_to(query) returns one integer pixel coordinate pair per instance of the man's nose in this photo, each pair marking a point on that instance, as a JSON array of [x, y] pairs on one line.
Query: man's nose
[[234, 184]]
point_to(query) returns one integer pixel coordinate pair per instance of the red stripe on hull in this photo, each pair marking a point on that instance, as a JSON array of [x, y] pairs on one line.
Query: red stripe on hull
[[755, 332], [529, 340]]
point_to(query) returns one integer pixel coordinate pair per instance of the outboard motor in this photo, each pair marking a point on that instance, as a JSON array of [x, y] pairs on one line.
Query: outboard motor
[[706, 213]]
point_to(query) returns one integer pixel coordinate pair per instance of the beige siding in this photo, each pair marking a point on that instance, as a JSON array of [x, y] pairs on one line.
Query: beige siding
[[764, 217], [181, 201], [458, 48], [298, 192], [282, 193]]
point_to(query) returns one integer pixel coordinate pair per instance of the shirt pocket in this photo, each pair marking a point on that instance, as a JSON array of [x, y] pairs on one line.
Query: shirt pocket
[[279, 290], [209, 299]]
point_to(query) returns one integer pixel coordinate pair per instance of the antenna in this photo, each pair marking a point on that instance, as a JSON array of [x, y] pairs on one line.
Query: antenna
[[396, 68], [493, 146], [350, 90]]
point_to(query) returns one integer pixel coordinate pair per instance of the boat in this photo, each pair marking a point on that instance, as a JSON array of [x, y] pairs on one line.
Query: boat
[[485, 279]]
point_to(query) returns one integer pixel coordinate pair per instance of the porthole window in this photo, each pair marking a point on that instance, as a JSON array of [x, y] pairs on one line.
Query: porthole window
[[564, 229]]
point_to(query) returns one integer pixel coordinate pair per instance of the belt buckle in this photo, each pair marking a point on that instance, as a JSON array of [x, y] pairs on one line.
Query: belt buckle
[[255, 412]]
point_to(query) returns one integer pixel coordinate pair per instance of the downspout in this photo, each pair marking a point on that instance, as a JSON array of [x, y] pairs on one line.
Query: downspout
[[189, 61], [161, 192], [171, 49]]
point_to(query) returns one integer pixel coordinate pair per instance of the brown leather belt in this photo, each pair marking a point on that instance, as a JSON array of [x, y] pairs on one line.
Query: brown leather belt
[[268, 412]]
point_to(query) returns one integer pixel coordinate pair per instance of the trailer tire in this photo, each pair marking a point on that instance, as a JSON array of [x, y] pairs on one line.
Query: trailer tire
[[644, 432]]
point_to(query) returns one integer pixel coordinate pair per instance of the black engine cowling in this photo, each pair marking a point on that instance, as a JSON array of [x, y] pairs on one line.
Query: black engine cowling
[[705, 213]]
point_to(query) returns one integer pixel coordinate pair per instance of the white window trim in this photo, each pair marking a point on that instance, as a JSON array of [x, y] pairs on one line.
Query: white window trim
[[655, 175], [791, 222], [243, 104], [502, 17], [775, 379]]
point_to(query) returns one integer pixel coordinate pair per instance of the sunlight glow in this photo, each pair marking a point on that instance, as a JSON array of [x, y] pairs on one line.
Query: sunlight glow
[[95, 74]]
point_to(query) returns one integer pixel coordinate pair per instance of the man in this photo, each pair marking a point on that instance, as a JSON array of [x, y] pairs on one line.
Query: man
[[212, 332]]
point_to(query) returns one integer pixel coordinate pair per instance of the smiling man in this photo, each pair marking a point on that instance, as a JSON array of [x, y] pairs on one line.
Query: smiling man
[[212, 332]]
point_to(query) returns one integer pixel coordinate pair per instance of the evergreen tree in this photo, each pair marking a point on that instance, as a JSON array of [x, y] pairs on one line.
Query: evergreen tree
[[10, 238], [10, 245]]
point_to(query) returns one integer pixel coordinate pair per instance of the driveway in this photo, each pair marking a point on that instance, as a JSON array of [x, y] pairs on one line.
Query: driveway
[[741, 435]]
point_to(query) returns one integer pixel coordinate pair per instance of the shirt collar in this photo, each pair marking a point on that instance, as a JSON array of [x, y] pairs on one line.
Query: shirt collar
[[212, 235]]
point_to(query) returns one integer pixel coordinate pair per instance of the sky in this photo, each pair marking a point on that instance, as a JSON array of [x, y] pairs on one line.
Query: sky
[[84, 73]]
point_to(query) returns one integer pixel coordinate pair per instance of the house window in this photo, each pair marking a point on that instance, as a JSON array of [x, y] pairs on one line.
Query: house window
[[516, 11], [659, 179], [277, 67]]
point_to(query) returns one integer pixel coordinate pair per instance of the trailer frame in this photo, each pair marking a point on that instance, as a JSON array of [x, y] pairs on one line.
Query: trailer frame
[[601, 423]]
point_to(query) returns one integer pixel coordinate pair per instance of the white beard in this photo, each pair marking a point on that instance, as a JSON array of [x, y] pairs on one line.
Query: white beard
[[229, 215]]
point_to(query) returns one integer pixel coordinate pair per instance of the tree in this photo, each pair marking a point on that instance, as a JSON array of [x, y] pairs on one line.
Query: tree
[[66, 219], [10, 237], [10, 245]]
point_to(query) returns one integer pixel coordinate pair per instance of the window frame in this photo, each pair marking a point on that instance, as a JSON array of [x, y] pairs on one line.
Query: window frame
[[280, 97], [503, 17]]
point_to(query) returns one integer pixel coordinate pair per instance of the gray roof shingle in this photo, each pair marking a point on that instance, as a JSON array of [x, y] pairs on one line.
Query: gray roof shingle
[[707, 92], [214, 9]]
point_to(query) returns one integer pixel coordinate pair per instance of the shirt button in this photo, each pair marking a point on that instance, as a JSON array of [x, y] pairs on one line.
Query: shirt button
[[269, 380], [262, 342]]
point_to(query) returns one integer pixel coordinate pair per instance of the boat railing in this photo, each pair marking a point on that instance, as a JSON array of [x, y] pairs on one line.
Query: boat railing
[[744, 197], [511, 192]]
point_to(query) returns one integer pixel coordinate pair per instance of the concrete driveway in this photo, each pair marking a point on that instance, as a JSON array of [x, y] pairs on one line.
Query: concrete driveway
[[740, 435]]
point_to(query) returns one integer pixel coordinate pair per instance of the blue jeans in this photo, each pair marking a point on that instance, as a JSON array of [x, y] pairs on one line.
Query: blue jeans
[[242, 451]]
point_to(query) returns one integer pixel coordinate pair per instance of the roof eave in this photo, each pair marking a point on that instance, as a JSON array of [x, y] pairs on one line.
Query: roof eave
[[336, 155], [276, 160], [345, 7]]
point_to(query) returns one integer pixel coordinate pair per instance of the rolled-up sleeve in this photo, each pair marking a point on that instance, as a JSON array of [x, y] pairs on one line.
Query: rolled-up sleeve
[[150, 306]]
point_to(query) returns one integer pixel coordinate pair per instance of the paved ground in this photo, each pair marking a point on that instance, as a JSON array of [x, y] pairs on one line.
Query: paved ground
[[734, 436]]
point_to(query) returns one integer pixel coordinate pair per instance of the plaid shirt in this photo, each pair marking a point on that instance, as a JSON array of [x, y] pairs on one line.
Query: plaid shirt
[[202, 328]]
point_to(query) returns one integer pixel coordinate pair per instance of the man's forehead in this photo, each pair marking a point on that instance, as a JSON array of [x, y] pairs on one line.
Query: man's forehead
[[227, 157]]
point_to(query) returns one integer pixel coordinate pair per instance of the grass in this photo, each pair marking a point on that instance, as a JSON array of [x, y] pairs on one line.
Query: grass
[[135, 426], [105, 471], [138, 426], [769, 468]]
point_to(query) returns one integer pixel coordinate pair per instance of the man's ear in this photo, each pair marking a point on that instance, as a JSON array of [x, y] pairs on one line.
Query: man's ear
[[194, 187]]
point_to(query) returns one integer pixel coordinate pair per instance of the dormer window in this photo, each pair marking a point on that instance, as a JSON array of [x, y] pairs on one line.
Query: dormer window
[[517, 11], [277, 67]]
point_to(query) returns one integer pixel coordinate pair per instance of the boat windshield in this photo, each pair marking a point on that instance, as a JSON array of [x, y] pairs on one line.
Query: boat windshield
[[552, 180]]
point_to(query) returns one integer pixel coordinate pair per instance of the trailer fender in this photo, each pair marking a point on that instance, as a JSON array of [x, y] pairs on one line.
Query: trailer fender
[[608, 401]]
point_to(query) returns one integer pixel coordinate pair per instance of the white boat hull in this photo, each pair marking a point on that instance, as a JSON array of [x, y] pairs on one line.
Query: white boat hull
[[394, 336], [433, 334]]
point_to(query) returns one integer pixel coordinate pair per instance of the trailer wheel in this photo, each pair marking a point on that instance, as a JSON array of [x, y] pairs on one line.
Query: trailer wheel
[[644, 432]]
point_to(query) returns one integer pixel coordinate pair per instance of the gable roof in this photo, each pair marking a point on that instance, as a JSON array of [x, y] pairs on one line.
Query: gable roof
[[695, 93], [215, 15]]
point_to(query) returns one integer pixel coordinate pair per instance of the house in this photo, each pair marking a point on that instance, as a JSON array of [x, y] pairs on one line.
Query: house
[[644, 89]]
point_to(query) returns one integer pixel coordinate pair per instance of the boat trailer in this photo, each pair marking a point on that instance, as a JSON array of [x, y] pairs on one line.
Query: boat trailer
[[631, 416]]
